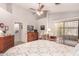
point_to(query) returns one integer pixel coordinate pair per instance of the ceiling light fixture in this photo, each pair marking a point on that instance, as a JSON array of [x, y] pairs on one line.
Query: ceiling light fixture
[[39, 12]]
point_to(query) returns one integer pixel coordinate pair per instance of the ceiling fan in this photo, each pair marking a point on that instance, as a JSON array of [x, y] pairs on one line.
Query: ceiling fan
[[40, 10]]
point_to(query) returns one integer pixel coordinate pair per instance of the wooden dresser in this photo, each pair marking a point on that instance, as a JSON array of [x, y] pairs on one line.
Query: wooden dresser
[[6, 42], [31, 36]]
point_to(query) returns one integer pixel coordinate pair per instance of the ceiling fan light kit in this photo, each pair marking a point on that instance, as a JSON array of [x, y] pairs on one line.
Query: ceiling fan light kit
[[39, 12]]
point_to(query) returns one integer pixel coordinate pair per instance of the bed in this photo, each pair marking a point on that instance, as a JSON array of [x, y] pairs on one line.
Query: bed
[[40, 48]]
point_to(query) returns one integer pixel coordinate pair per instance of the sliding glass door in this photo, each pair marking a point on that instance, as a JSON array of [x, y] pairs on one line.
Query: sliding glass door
[[71, 28]]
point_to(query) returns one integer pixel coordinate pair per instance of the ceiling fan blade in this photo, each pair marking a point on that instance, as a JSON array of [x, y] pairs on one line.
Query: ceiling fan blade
[[42, 6], [33, 12], [57, 3], [32, 9]]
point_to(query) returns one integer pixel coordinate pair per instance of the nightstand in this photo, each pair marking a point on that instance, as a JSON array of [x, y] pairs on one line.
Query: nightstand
[[44, 37], [56, 39], [52, 38]]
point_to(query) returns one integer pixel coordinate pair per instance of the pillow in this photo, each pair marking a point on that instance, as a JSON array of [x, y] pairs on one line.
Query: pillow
[[76, 50]]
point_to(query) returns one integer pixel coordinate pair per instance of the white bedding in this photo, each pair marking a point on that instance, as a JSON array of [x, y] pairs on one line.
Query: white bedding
[[40, 48]]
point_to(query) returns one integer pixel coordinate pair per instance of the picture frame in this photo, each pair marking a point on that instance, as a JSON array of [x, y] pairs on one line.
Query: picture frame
[[42, 27], [30, 28]]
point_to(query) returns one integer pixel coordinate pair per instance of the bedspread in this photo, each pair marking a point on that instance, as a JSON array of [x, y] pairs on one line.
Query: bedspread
[[40, 48]]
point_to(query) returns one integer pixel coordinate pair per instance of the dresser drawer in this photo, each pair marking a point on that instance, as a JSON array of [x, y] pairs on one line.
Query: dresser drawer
[[6, 43], [31, 36], [9, 39]]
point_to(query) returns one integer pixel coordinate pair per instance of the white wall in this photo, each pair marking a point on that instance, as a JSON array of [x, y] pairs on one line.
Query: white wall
[[8, 19], [25, 17], [18, 14], [40, 22], [50, 25]]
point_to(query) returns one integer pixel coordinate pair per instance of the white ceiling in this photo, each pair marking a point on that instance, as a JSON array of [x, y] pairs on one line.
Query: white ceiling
[[63, 7]]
